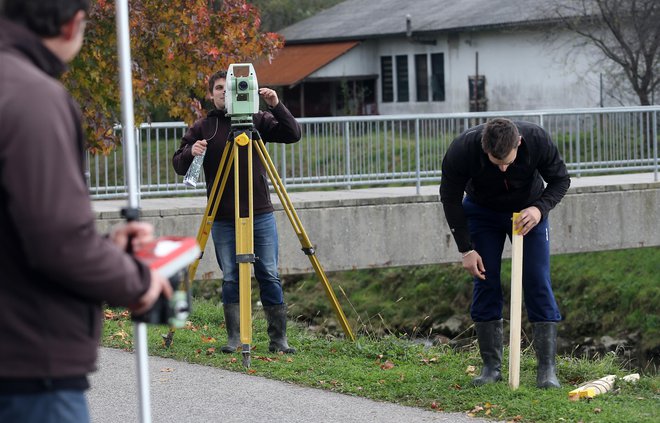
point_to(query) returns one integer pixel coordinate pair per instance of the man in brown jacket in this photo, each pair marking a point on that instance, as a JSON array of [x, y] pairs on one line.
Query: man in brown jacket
[[56, 269], [209, 136]]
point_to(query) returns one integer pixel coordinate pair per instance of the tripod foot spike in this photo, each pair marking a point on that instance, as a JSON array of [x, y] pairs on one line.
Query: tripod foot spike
[[168, 338], [246, 356]]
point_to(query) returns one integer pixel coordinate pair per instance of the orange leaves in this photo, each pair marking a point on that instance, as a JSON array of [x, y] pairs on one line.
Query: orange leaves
[[387, 365], [173, 42], [436, 406], [214, 52], [486, 409], [109, 314]]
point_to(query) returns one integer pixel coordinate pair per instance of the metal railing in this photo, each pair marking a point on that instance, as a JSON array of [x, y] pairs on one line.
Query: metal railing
[[363, 151]]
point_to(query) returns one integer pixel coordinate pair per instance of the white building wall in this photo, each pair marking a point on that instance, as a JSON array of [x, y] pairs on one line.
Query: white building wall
[[361, 60], [523, 71]]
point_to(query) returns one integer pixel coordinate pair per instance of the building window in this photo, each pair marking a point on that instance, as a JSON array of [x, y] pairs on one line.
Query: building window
[[402, 79], [438, 76], [387, 80], [422, 77]]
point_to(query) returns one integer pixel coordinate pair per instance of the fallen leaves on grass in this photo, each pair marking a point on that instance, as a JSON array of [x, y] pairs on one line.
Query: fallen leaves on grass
[[120, 335], [109, 314], [387, 365], [486, 409], [435, 406]]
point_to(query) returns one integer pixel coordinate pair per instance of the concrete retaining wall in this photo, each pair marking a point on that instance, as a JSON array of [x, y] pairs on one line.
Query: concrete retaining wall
[[411, 230]]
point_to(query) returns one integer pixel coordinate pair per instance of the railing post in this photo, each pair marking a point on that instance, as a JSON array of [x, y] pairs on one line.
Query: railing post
[[577, 141], [347, 153], [283, 165], [138, 155], [417, 161], [655, 146]]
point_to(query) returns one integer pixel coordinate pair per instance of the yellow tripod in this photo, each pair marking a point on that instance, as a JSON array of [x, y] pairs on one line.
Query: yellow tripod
[[242, 143]]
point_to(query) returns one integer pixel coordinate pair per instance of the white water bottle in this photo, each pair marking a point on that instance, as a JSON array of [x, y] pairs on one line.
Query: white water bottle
[[192, 175]]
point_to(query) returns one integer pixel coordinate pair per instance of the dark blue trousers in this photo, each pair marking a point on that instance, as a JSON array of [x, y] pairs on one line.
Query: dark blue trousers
[[48, 407], [488, 231], [265, 267]]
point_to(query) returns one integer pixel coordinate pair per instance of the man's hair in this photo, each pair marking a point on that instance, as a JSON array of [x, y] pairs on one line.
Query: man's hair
[[215, 77], [43, 17], [499, 137]]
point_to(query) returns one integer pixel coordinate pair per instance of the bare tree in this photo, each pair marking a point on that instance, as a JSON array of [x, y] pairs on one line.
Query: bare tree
[[627, 32]]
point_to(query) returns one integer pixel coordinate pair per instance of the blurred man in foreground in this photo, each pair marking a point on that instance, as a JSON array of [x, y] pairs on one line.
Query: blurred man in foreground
[[56, 268]]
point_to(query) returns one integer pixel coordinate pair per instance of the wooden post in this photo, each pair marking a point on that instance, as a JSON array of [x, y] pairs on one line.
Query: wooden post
[[516, 305]]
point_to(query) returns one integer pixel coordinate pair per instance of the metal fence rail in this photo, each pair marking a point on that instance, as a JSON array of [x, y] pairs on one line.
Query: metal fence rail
[[361, 151]]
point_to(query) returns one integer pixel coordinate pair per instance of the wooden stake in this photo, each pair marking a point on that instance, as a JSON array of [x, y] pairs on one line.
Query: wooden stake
[[516, 305]]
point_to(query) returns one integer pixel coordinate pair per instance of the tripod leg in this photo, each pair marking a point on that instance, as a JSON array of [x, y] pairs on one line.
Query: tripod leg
[[244, 245], [212, 204], [306, 244], [245, 257], [207, 221]]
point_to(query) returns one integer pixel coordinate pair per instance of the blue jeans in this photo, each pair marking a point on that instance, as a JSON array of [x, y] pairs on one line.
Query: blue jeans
[[488, 231], [265, 267], [49, 407]]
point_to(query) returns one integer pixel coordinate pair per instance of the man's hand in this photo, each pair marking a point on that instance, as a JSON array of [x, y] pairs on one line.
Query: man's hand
[[198, 148], [139, 233], [159, 284], [269, 96], [527, 220], [473, 263]]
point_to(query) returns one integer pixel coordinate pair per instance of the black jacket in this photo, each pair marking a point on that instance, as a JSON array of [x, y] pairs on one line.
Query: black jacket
[[466, 168], [56, 268], [276, 125]]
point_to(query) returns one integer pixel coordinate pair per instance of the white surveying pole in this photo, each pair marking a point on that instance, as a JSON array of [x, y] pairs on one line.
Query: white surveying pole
[[130, 166]]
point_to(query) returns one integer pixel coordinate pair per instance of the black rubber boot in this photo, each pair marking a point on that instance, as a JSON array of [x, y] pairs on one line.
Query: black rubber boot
[[233, 325], [545, 344], [276, 318], [489, 336]]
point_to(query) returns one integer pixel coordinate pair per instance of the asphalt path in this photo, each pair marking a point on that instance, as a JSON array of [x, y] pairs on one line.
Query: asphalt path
[[191, 393]]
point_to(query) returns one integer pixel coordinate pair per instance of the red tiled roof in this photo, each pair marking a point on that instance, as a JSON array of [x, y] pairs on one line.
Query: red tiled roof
[[294, 63]]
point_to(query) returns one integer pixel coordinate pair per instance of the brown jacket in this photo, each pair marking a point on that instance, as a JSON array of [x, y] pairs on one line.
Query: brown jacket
[[277, 125], [55, 269]]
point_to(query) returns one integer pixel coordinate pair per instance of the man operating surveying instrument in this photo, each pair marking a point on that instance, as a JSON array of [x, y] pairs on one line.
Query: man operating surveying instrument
[[239, 213]]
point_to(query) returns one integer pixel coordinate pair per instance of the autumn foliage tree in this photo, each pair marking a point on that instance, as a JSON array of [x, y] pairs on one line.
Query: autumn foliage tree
[[175, 46]]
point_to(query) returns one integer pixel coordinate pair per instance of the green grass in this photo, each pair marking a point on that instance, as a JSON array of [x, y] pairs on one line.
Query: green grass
[[393, 369], [602, 293], [612, 293]]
